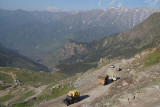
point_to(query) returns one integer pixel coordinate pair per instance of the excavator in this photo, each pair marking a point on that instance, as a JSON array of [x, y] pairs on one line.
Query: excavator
[[72, 97]]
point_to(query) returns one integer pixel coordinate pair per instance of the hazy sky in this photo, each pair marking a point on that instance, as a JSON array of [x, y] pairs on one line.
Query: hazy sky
[[75, 4]]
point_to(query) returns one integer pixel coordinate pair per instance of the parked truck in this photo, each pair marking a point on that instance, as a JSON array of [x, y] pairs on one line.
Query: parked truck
[[103, 79], [72, 97]]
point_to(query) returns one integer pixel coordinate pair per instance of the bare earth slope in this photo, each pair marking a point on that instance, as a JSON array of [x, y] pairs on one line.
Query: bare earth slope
[[138, 86]]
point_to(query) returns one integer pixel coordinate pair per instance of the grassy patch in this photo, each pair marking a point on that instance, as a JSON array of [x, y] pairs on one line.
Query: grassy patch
[[36, 79], [26, 95], [72, 69], [7, 80], [22, 105], [93, 63], [104, 64], [6, 98], [153, 58], [61, 91], [3, 87], [30, 78], [56, 93], [5, 77], [47, 95]]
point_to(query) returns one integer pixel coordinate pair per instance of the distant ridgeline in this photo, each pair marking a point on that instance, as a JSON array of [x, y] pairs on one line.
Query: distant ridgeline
[[122, 45], [8, 58], [36, 34]]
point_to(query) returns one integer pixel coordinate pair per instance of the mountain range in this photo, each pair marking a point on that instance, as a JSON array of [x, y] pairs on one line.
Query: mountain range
[[36, 34], [121, 45]]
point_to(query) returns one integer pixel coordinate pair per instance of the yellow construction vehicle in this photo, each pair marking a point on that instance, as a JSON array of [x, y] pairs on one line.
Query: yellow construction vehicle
[[72, 97], [103, 79]]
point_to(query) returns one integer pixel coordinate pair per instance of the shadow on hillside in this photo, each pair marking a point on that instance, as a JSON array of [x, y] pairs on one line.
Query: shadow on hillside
[[109, 81], [83, 97], [118, 78]]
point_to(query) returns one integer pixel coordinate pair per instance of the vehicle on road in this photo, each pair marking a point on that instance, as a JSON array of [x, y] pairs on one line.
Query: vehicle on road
[[103, 79], [112, 66], [72, 97]]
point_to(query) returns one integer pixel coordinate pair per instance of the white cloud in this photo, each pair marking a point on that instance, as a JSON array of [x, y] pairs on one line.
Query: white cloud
[[147, 1], [152, 3], [117, 2], [112, 3]]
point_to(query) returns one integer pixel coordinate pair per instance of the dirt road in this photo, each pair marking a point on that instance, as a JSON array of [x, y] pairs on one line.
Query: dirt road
[[5, 92], [90, 90], [37, 91], [11, 74], [86, 97]]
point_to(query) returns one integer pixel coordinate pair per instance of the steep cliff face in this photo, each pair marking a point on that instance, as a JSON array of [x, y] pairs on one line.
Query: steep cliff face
[[72, 48]]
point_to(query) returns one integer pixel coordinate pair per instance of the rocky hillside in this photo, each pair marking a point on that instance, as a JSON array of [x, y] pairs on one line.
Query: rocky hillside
[[136, 78], [125, 44], [39, 33], [138, 83], [8, 58]]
